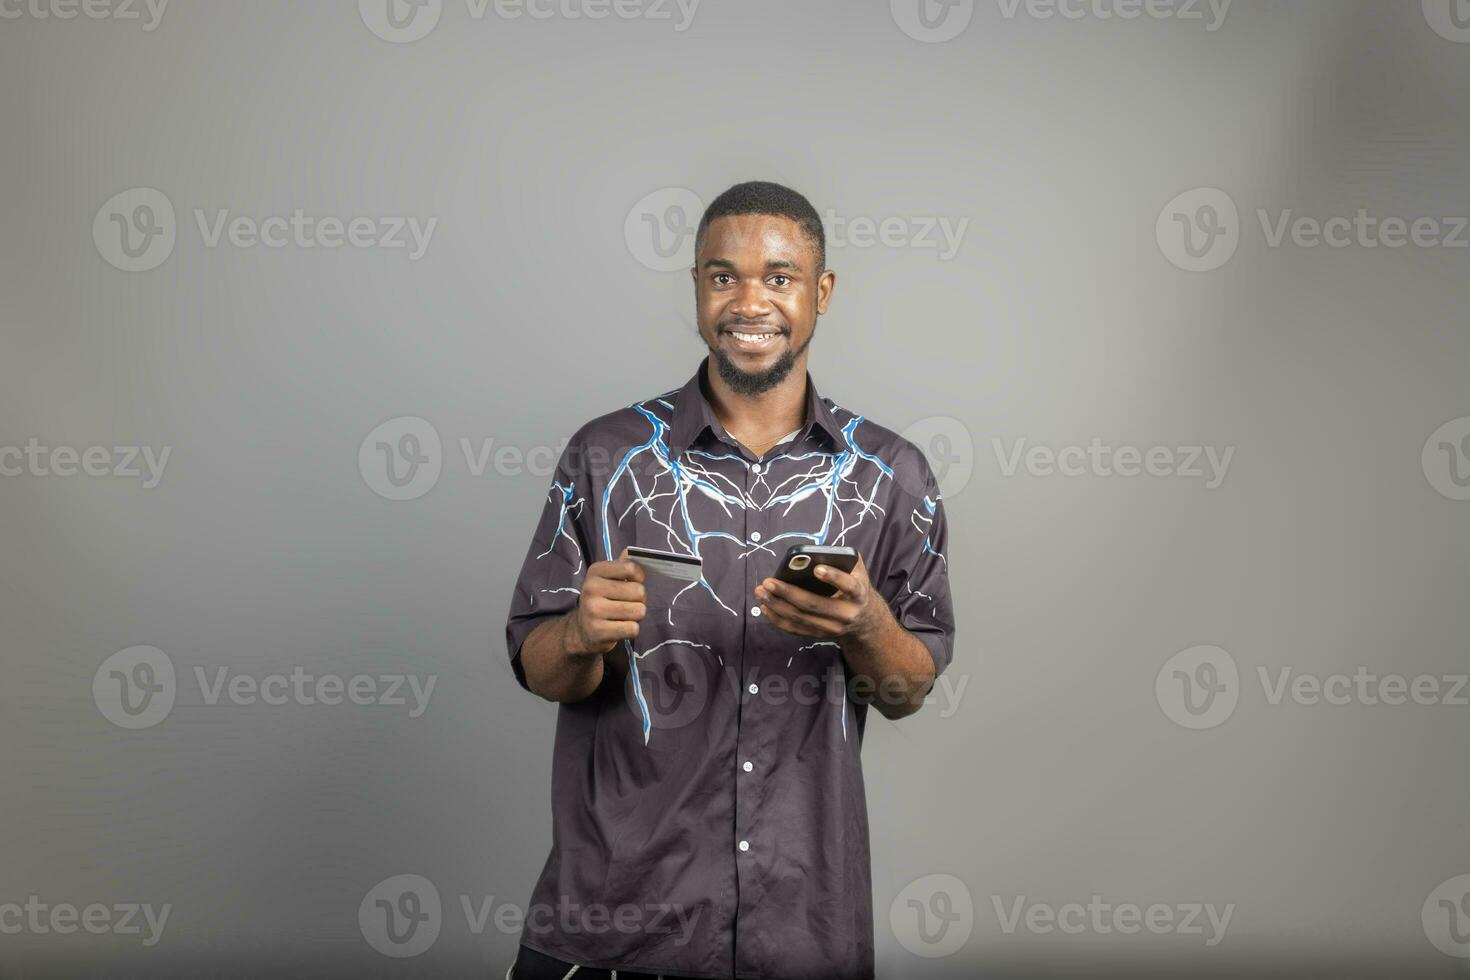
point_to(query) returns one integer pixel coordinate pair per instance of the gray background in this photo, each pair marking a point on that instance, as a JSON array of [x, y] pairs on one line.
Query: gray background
[[1057, 774]]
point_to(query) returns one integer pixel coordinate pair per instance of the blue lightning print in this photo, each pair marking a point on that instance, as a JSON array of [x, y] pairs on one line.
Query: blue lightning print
[[661, 488], [662, 493]]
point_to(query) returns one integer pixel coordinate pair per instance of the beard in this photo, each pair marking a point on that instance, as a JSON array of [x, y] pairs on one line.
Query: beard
[[757, 382]]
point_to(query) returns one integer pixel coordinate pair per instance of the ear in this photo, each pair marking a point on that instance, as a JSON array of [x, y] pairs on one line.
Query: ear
[[825, 285]]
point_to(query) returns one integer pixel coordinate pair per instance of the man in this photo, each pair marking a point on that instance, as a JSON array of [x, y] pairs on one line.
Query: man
[[708, 810]]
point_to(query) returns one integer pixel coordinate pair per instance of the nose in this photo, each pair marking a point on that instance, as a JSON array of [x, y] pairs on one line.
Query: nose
[[751, 303]]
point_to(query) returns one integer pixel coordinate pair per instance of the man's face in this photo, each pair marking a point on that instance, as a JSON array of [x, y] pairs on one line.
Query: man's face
[[758, 293]]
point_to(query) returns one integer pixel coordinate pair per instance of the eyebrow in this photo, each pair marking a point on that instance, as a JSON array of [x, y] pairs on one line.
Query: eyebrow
[[773, 264]]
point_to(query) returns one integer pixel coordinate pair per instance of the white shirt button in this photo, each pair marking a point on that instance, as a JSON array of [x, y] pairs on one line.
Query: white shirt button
[[755, 610], [748, 766], [754, 689], [755, 535], [755, 468], [745, 845]]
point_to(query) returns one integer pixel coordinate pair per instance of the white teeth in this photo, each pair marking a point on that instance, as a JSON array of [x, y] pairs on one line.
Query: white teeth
[[753, 338]]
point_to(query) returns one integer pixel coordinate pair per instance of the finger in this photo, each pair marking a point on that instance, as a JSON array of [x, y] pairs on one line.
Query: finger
[[622, 589], [786, 611], [797, 627], [806, 601], [623, 569], [611, 609], [620, 630], [789, 624], [605, 631], [847, 584]]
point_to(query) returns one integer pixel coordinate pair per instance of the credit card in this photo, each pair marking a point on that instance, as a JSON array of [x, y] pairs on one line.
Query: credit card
[[685, 568]]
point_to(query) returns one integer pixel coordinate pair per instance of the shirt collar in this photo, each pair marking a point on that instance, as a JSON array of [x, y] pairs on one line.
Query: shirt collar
[[693, 413]]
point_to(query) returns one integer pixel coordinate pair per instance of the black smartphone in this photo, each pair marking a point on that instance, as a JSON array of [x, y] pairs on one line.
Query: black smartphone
[[797, 567]]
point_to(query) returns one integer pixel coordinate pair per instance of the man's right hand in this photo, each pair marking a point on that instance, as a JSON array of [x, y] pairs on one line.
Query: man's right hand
[[612, 604]]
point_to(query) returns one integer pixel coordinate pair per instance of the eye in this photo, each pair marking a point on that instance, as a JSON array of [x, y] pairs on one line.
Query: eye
[[723, 278], [780, 282]]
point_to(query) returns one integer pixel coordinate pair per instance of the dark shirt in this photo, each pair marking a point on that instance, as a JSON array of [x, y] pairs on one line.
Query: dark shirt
[[708, 810]]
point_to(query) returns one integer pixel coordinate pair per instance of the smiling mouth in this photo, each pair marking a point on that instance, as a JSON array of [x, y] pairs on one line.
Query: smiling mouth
[[753, 340]]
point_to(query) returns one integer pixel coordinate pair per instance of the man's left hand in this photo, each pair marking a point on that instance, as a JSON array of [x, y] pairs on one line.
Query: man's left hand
[[856, 610]]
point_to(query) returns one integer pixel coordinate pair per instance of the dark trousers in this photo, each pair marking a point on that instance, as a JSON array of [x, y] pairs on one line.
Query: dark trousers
[[531, 965]]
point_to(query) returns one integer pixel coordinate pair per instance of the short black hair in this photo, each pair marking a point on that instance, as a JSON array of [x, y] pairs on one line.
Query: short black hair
[[764, 197]]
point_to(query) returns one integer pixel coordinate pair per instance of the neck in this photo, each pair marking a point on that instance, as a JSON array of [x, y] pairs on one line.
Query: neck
[[757, 421]]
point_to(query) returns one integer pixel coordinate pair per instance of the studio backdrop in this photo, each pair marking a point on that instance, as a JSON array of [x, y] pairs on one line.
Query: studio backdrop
[[300, 301]]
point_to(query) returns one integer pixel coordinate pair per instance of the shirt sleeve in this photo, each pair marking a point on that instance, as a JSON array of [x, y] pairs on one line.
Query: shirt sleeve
[[916, 578], [556, 562]]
